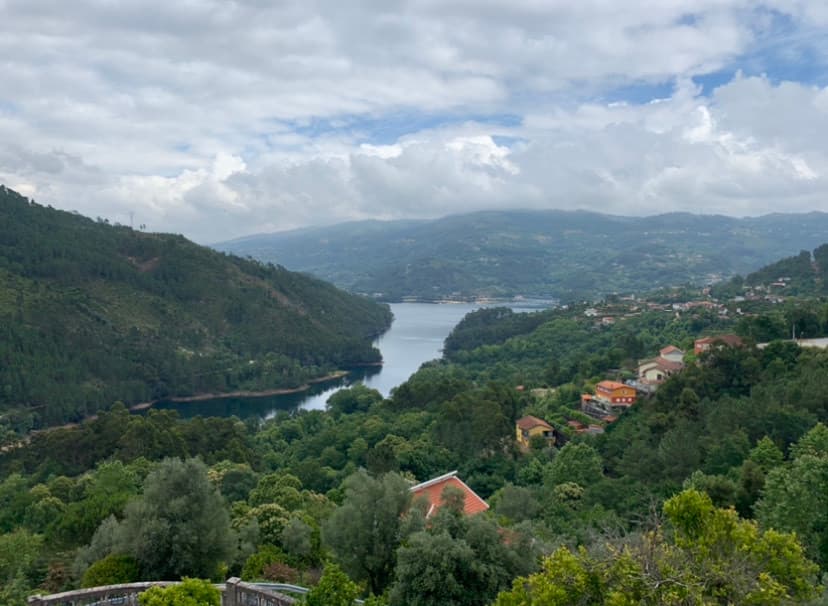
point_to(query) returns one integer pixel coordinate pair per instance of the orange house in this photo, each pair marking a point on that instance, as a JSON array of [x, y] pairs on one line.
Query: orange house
[[617, 394]]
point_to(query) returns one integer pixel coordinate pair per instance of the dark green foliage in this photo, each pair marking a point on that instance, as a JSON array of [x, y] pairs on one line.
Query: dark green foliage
[[457, 561], [364, 532], [119, 435], [93, 313], [179, 526]]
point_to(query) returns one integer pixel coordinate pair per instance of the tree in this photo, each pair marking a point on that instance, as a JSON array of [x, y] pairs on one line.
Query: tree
[[458, 560], [766, 454], [190, 592], [576, 462], [358, 398], [365, 531], [435, 570], [704, 556], [179, 526], [19, 552], [334, 589], [795, 496]]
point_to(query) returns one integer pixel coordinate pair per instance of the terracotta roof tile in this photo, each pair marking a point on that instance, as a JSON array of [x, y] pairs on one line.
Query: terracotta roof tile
[[528, 422], [611, 385], [433, 489]]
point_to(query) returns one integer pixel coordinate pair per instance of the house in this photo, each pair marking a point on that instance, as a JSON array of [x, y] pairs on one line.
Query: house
[[672, 353], [530, 426], [615, 393], [656, 370], [431, 492], [704, 344]]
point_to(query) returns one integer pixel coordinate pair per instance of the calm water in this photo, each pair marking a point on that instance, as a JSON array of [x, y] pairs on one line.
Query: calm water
[[416, 336]]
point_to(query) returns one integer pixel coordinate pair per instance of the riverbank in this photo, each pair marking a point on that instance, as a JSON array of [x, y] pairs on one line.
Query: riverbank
[[265, 393], [204, 397]]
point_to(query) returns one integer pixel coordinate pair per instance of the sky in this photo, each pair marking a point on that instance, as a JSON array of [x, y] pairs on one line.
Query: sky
[[222, 118]]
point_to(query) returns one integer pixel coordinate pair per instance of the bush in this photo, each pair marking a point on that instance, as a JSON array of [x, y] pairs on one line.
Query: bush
[[111, 570], [190, 592]]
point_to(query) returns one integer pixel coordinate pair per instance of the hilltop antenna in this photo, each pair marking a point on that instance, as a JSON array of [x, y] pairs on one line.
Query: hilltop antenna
[[131, 217]]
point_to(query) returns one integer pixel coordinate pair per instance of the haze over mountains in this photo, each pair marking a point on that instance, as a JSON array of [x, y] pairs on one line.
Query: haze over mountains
[[556, 254]]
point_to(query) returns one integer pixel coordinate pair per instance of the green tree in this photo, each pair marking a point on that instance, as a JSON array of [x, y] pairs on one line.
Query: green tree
[[435, 570], [19, 553], [705, 556], [795, 496], [334, 589], [179, 526], [365, 531], [766, 454], [576, 462], [190, 592]]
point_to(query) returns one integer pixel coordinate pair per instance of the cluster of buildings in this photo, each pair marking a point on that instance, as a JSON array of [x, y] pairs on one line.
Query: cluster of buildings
[[612, 398]]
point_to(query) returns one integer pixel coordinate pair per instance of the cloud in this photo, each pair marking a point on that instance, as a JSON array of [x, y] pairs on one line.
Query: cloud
[[218, 118]]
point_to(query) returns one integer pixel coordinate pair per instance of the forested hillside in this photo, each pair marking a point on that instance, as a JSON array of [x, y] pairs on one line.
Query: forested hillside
[[92, 313], [688, 498], [558, 254]]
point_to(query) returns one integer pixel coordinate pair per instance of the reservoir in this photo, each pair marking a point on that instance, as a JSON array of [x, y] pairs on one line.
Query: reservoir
[[416, 336]]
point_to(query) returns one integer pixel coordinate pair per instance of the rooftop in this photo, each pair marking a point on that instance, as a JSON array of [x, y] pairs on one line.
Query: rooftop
[[528, 422], [432, 490], [610, 385]]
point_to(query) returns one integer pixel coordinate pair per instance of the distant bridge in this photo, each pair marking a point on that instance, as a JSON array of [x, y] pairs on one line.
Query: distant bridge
[[234, 592]]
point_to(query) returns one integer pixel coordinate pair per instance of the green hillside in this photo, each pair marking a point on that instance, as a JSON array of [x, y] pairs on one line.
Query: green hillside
[[92, 313], [559, 254], [803, 274]]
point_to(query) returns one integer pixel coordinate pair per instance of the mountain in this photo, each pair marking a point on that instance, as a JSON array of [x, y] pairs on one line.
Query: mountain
[[561, 254], [91, 313], [803, 274]]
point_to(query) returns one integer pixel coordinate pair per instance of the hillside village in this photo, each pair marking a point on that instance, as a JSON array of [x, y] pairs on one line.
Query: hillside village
[[612, 396]]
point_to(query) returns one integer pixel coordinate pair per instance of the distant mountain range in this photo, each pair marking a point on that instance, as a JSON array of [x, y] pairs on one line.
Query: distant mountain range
[[92, 313], [558, 254]]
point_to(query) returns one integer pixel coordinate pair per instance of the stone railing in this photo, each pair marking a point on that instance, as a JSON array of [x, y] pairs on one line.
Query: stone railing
[[106, 595], [234, 592], [239, 593]]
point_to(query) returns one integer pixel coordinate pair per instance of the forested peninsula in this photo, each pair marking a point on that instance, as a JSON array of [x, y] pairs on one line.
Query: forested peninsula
[[93, 313]]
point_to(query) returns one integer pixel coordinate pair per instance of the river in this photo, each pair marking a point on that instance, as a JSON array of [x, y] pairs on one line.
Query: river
[[416, 336]]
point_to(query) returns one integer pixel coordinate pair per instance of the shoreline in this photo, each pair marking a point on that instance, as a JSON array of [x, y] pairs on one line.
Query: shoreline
[[204, 397], [264, 393]]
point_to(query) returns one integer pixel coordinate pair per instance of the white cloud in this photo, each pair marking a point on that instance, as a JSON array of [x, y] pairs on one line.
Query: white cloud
[[217, 118]]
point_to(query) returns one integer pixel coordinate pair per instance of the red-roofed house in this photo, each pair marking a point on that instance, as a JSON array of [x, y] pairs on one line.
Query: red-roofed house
[[432, 492], [530, 426], [617, 394], [703, 345]]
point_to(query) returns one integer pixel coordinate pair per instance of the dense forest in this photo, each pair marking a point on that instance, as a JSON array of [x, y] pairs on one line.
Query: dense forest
[[711, 491], [92, 313], [544, 254]]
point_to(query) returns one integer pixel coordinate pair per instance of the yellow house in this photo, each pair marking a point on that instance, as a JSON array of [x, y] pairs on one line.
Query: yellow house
[[530, 426]]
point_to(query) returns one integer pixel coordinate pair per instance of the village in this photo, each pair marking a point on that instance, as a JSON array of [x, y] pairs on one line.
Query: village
[[612, 396]]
